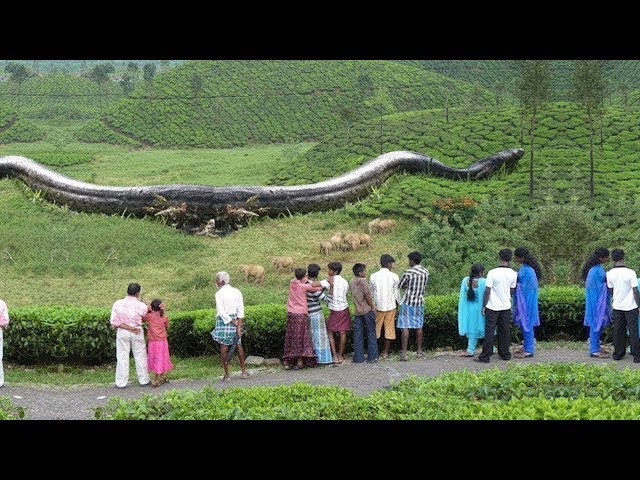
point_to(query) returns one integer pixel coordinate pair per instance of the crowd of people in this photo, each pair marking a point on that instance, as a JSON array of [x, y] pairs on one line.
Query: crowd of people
[[386, 302]]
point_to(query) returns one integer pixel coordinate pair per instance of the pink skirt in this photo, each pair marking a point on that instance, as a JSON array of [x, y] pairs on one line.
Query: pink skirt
[[339, 321], [158, 359]]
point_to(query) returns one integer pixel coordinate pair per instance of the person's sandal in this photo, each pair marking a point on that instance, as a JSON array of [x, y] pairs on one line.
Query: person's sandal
[[599, 354], [154, 383], [523, 354]]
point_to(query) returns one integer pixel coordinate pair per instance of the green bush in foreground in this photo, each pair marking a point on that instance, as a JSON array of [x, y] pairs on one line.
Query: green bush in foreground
[[545, 391], [8, 411], [76, 335]]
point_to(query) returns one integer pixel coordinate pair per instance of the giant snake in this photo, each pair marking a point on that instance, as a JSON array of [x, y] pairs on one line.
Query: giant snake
[[211, 202]]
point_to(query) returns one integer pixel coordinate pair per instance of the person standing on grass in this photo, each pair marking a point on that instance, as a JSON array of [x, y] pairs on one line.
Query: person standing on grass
[[229, 322], [159, 361], [411, 315], [525, 311], [623, 287], [339, 320], [364, 318], [318, 328], [470, 318], [496, 308], [597, 312], [126, 318], [4, 321], [298, 345], [384, 288]]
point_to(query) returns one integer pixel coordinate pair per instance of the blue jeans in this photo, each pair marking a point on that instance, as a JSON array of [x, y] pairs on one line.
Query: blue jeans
[[361, 322]]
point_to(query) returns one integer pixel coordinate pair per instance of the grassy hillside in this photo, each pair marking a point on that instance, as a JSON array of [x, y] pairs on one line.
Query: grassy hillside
[[14, 129], [57, 96], [561, 166], [490, 73], [231, 103]]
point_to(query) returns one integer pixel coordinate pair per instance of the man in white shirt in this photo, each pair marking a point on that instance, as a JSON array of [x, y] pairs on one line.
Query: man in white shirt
[[496, 307], [623, 287], [126, 318], [229, 318], [386, 296]]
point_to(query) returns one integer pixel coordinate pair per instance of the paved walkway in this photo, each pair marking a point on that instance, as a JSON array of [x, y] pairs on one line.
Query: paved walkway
[[78, 403]]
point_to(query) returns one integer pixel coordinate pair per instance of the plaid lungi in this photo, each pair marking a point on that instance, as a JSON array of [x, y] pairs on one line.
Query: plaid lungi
[[223, 333], [411, 316]]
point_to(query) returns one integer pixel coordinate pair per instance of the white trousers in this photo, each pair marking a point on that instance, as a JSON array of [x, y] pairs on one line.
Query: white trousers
[[1, 368], [127, 341]]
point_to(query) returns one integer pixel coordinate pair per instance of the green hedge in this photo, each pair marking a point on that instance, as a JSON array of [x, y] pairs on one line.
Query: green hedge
[[545, 391], [8, 411], [74, 335]]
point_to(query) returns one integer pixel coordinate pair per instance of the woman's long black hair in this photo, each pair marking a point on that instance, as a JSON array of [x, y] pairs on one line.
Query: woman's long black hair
[[594, 260], [476, 270], [528, 259]]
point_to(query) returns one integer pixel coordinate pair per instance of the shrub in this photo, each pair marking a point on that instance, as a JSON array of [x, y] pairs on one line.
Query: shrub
[[546, 391], [75, 335]]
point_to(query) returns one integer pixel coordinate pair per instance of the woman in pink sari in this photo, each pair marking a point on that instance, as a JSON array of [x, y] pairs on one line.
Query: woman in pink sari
[[159, 361]]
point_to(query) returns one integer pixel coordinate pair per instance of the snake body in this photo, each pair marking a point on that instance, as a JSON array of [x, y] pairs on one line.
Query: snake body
[[210, 201]]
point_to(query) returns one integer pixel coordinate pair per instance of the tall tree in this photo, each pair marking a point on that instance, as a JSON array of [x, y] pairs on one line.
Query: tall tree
[[534, 89], [100, 75], [623, 88], [18, 73], [148, 72], [589, 89]]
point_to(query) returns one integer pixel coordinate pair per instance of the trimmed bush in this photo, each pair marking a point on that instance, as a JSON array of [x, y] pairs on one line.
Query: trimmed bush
[[8, 411], [75, 335], [50, 335], [546, 391]]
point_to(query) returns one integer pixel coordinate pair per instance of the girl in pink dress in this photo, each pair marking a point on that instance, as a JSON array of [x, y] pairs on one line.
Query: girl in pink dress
[[159, 361]]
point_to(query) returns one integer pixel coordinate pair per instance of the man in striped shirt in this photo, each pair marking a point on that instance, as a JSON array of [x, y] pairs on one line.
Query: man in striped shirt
[[414, 283]]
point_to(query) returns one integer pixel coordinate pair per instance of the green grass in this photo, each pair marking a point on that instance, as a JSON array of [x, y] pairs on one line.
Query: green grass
[[193, 368], [50, 255]]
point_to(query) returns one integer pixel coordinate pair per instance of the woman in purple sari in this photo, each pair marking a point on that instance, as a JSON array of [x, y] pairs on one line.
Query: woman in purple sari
[[525, 305], [597, 312]]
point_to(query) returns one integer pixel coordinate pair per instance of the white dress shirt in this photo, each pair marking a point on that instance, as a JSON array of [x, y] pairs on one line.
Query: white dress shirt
[[384, 289], [229, 302]]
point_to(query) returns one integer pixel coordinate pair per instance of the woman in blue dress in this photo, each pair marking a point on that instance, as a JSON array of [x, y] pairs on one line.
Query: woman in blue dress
[[470, 318], [597, 312], [525, 305]]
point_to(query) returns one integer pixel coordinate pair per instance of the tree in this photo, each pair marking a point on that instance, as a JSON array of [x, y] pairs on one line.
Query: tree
[[18, 73], [589, 89], [127, 83], [165, 65], [148, 72], [100, 73], [623, 88], [534, 89]]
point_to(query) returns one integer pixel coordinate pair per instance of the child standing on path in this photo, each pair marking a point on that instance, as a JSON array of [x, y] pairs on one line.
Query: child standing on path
[[159, 361]]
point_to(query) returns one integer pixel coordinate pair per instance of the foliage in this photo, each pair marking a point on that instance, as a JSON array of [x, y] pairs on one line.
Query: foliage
[[18, 72], [224, 104], [59, 96], [8, 411], [73, 335], [546, 391]]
